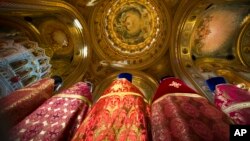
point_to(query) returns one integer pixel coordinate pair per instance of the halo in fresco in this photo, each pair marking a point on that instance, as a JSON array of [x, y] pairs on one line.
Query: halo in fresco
[[130, 33]]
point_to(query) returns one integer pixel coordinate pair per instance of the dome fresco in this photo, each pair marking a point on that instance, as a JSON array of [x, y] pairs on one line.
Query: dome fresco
[[210, 37], [215, 33], [132, 24], [57, 29], [123, 69], [130, 33], [90, 40]]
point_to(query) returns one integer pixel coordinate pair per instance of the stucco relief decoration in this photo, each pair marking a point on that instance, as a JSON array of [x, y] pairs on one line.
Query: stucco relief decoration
[[7, 51], [57, 35], [59, 46]]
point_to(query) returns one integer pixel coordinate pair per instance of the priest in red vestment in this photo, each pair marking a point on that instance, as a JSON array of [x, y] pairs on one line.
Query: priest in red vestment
[[233, 101], [180, 114], [56, 119], [20, 103], [120, 114]]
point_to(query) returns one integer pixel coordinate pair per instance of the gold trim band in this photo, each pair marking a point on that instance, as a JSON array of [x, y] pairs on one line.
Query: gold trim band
[[178, 94], [80, 97], [25, 98], [27, 89], [235, 107], [122, 94]]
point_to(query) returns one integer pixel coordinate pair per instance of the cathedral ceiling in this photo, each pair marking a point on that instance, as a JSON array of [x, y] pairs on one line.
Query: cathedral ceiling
[[128, 35], [209, 39], [91, 40]]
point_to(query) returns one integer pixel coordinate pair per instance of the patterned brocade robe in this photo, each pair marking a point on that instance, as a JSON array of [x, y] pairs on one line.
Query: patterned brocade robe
[[56, 119], [233, 101], [20, 103], [120, 114], [180, 114]]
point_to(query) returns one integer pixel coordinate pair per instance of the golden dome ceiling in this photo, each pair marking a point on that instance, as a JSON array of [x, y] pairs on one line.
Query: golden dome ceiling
[[210, 38], [130, 33], [243, 43], [185, 38], [57, 28]]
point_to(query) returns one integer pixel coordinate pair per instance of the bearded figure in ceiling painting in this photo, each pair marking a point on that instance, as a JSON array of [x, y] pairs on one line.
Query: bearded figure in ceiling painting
[[133, 23], [121, 113]]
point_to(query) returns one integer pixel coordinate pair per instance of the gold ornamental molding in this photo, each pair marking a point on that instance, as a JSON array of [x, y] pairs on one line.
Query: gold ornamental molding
[[180, 52], [130, 33], [59, 29], [233, 77], [214, 64], [243, 43], [191, 63]]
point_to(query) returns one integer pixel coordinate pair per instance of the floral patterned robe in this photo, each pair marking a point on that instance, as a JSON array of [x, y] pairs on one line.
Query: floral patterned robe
[[56, 119], [20, 103], [180, 114], [120, 114], [234, 101]]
